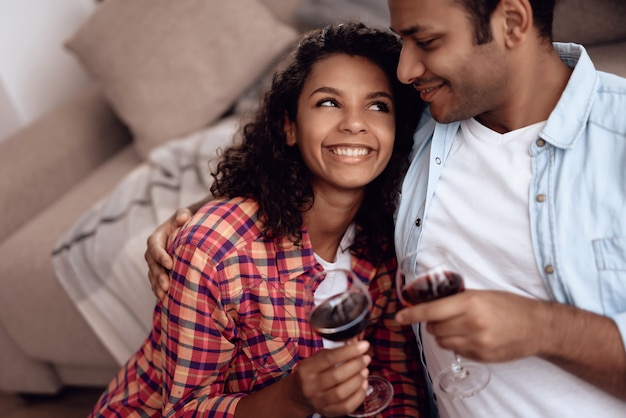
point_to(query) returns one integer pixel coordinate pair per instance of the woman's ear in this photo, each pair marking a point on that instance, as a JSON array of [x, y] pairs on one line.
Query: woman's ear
[[290, 131]]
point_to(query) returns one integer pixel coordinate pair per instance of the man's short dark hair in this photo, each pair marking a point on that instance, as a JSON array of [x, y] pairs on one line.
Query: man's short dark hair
[[480, 12]]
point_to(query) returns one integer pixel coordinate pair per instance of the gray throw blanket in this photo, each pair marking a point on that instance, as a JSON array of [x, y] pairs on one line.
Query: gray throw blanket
[[100, 260]]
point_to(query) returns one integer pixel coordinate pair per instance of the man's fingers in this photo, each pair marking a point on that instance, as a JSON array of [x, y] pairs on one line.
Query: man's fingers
[[436, 310], [182, 216], [163, 258], [164, 281]]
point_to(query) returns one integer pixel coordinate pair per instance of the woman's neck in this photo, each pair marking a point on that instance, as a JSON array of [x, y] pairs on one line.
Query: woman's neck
[[328, 220]]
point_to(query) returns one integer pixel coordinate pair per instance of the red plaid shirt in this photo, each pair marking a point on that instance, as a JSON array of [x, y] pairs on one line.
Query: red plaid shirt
[[234, 322]]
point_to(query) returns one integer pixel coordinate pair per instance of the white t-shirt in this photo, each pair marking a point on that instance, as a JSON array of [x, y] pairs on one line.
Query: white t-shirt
[[332, 285], [486, 183]]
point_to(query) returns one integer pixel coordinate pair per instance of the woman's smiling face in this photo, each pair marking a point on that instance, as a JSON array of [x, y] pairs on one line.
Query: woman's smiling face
[[345, 125]]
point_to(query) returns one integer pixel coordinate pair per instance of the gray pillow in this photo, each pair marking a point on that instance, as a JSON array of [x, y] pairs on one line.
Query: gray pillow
[[317, 13], [170, 67]]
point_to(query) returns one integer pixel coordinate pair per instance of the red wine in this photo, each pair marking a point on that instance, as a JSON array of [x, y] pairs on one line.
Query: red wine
[[432, 286], [341, 317]]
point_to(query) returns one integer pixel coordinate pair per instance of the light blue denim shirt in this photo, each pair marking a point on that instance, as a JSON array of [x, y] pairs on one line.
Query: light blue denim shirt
[[577, 200]]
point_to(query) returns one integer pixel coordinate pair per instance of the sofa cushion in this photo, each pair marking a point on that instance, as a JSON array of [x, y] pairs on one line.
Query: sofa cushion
[[317, 13], [172, 67], [35, 308], [589, 22], [52, 154]]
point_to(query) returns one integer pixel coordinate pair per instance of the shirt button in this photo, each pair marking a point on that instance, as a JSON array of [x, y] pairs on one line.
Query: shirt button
[[541, 198], [548, 269], [438, 161], [418, 222], [540, 142]]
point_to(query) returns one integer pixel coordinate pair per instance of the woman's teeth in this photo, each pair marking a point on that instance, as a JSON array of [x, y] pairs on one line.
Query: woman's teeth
[[350, 152]]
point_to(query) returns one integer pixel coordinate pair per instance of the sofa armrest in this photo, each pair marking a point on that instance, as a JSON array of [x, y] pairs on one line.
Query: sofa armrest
[[43, 160]]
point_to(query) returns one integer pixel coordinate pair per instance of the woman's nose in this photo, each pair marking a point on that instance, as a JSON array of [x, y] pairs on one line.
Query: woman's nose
[[410, 66], [353, 122]]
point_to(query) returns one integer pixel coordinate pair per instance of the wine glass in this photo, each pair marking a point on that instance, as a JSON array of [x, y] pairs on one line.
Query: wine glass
[[426, 275], [340, 317]]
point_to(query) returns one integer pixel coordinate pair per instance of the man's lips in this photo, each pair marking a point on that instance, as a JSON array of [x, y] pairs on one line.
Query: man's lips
[[427, 92]]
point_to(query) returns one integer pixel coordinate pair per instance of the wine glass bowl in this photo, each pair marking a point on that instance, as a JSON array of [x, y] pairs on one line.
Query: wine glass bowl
[[437, 283], [430, 274], [341, 315]]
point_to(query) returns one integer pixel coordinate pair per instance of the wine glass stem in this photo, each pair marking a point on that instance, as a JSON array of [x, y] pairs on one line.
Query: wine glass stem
[[457, 367]]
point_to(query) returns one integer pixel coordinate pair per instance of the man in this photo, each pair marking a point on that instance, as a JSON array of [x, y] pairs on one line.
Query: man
[[519, 173], [521, 178]]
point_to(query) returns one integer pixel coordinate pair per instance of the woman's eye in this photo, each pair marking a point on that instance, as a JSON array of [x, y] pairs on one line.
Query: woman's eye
[[380, 107], [327, 103]]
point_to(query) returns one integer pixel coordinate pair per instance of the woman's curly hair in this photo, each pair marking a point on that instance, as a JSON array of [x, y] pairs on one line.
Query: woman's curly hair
[[263, 167]]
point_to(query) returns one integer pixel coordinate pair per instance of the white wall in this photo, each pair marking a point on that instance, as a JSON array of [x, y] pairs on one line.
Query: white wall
[[36, 72]]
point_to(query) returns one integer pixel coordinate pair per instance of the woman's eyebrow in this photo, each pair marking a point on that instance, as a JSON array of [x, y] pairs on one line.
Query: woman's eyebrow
[[325, 89], [332, 90]]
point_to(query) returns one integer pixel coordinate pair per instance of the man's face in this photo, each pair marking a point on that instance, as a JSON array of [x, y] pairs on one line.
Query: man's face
[[458, 79]]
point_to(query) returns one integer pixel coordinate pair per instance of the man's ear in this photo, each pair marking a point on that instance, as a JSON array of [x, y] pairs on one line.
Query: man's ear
[[290, 131], [518, 20]]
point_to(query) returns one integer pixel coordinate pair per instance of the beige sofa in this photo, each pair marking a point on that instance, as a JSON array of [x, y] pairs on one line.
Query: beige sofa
[[55, 169]]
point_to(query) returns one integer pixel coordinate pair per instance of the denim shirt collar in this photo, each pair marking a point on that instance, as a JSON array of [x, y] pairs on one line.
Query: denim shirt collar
[[567, 121]]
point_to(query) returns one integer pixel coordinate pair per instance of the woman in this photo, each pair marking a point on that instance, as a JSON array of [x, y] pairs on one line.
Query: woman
[[312, 186]]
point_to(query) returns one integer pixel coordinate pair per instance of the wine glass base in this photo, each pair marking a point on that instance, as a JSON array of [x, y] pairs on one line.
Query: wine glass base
[[464, 383], [379, 395]]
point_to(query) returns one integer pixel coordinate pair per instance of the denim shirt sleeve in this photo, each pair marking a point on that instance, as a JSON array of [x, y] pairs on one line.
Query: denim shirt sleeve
[[578, 192]]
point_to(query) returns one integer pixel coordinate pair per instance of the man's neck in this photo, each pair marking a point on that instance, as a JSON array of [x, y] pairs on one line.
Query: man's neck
[[536, 89]]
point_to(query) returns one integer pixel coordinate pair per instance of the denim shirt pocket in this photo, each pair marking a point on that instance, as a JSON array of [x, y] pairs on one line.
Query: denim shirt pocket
[[610, 256]]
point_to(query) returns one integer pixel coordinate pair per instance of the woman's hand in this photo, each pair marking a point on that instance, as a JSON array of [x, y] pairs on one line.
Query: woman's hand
[[156, 255], [332, 383]]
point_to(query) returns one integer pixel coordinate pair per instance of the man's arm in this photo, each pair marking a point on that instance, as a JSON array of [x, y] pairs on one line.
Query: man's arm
[[587, 345], [497, 326], [156, 255]]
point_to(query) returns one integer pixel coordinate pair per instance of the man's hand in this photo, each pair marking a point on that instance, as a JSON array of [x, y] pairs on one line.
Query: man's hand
[[497, 326], [156, 255], [484, 325]]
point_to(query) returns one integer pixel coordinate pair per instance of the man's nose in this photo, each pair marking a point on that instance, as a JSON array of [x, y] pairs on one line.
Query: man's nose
[[410, 66]]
